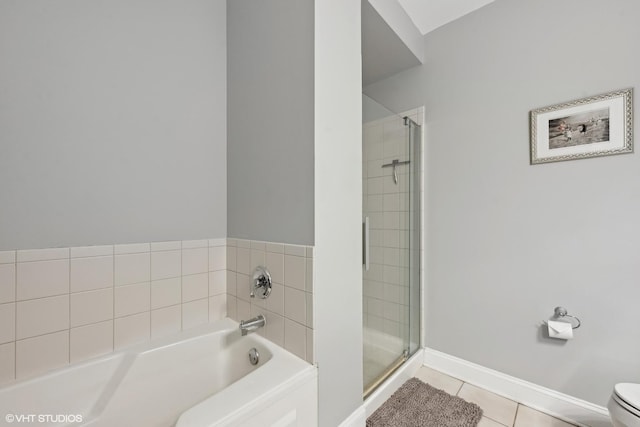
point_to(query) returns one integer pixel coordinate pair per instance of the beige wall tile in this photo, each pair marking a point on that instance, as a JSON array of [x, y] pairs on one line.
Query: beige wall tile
[[195, 287], [275, 264], [274, 328], [295, 338], [243, 260], [232, 307], [132, 268], [196, 272], [295, 305], [242, 243], [257, 259], [42, 316], [295, 250], [217, 282], [131, 330], [258, 245], [200, 243], [243, 286], [195, 313], [217, 307], [295, 271], [310, 356], [231, 258], [131, 299], [277, 248], [217, 258], [217, 242], [7, 362], [91, 273], [195, 261], [309, 276], [91, 307], [275, 302], [7, 283], [91, 341], [7, 257], [174, 245], [7, 322], [40, 354], [166, 264], [89, 251], [243, 309], [232, 282], [42, 254], [42, 279], [166, 292], [166, 321], [131, 248], [309, 300]]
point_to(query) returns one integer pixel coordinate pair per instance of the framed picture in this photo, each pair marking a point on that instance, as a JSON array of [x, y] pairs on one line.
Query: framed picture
[[600, 125]]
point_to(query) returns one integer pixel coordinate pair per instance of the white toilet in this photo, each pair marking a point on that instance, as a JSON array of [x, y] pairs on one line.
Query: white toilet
[[624, 405]]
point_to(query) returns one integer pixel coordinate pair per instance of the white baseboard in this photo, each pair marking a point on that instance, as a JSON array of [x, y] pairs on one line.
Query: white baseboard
[[549, 401]]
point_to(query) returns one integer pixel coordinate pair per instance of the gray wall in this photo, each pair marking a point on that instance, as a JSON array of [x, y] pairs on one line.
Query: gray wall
[[270, 120], [506, 241], [112, 121]]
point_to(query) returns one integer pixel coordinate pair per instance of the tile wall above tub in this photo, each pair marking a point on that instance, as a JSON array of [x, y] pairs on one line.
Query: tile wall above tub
[[65, 305], [289, 308]]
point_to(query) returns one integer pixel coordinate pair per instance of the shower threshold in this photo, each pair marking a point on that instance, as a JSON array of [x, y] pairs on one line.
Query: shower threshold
[[369, 388]]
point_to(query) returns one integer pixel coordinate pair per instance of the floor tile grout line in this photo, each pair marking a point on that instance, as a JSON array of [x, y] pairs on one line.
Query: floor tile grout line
[[460, 388], [515, 417], [499, 423], [483, 414]]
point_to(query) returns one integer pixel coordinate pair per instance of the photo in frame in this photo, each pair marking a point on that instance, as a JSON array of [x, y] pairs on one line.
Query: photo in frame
[[596, 126]]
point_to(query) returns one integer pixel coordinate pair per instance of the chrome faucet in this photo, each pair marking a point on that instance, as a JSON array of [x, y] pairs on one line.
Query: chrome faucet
[[251, 325]]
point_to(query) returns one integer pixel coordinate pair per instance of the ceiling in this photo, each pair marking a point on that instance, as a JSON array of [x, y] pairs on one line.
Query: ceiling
[[390, 30], [383, 52], [428, 15]]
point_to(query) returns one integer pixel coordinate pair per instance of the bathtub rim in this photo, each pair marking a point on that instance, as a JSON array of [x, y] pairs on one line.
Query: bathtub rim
[[284, 373], [130, 351]]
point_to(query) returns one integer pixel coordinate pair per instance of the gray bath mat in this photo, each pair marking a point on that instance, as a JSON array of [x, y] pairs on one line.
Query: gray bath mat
[[417, 404]]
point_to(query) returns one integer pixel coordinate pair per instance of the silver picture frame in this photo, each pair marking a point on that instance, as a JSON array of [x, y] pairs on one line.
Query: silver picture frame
[[600, 125]]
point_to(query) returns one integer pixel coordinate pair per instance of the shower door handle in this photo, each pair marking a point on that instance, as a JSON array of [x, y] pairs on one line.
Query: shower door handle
[[365, 243]]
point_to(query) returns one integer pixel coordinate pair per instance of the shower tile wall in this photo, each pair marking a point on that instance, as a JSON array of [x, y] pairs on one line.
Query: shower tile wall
[[386, 205], [289, 308], [386, 284]]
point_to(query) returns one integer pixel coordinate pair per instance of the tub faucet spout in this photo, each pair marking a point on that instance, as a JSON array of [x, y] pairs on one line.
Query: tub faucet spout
[[251, 325]]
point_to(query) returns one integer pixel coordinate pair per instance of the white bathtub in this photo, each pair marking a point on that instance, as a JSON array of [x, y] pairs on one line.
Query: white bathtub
[[202, 377]]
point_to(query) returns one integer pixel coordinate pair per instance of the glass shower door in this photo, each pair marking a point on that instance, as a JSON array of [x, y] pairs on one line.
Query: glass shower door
[[391, 211]]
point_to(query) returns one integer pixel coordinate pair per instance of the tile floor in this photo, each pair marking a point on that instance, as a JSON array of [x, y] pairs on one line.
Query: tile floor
[[498, 411]]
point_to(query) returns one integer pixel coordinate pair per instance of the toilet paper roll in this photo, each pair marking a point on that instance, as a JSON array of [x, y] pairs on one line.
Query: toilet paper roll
[[560, 330]]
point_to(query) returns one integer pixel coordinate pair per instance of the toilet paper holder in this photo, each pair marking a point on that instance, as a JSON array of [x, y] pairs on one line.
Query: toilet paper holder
[[560, 312]]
